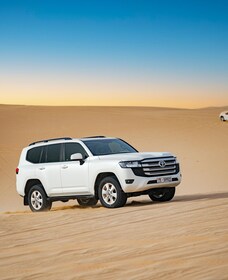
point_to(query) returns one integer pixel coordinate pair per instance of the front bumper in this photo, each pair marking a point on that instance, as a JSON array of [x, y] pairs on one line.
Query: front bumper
[[145, 183]]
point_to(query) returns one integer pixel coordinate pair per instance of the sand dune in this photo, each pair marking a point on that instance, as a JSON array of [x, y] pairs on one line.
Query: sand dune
[[197, 137], [184, 239]]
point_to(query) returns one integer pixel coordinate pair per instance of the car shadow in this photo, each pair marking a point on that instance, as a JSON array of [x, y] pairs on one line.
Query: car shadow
[[182, 198], [135, 203], [207, 196]]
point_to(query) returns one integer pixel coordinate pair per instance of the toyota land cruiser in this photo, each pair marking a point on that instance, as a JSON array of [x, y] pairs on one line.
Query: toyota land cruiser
[[91, 169]]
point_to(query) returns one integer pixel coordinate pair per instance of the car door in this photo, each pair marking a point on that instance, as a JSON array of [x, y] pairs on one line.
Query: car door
[[74, 174], [48, 170]]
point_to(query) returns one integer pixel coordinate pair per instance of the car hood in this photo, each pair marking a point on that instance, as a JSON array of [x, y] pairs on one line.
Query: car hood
[[134, 156]]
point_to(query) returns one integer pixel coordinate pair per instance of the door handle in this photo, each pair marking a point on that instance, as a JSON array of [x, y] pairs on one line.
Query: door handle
[[42, 168], [64, 166]]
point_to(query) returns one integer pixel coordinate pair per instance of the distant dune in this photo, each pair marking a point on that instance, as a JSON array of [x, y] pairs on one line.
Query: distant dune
[[183, 239], [197, 137]]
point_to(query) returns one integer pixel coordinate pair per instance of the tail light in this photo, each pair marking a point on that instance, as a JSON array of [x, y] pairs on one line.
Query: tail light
[[17, 170]]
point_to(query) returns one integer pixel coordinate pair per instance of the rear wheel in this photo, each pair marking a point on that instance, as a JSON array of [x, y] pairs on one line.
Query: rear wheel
[[110, 193], [87, 201], [38, 200], [162, 194], [222, 119]]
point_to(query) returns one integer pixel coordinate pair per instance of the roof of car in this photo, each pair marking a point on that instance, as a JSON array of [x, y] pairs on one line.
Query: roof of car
[[60, 139]]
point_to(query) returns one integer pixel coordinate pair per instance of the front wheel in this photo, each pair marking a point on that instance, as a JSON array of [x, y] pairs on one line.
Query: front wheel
[[38, 200], [87, 201], [110, 193], [162, 194], [222, 119]]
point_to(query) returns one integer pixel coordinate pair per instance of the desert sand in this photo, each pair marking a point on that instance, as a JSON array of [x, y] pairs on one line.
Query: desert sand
[[186, 238]]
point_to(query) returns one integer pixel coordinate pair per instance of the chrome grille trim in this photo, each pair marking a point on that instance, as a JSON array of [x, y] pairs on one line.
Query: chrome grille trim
[[151, 168], [160, 173], [159, 159], [154, 165], [158, 168]]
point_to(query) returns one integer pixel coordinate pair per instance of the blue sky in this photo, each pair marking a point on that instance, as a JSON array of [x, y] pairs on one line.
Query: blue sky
[[147, 53]]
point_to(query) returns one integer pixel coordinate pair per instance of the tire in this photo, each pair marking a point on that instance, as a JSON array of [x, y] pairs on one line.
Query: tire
[[162, 194], [110, 193], [87, 201], [222, 119], [38, 200]]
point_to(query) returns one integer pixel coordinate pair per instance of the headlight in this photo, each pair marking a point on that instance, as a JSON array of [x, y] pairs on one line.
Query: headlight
[[130, 164]]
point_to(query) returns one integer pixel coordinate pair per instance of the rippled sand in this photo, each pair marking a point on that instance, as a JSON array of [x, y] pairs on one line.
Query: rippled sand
[[183, 239]]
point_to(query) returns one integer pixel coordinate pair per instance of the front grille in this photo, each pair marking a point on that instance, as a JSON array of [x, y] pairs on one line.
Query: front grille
[[156, 167]]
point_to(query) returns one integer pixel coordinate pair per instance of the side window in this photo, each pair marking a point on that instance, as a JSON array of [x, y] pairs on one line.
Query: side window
[[73, 148], [53, 153], [43, 155], [33, 155]]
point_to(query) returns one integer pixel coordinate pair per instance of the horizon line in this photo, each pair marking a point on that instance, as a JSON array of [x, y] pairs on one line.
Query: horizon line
[[116, 106]]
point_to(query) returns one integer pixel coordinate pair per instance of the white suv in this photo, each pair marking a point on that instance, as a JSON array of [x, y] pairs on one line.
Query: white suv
[[223, 116], [93, 168]]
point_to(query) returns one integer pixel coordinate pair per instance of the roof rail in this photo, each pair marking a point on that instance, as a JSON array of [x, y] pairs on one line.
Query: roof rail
[[51, 139], [99, 136]]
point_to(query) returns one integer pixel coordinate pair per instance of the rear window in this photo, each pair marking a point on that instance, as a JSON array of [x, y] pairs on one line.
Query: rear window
[[34, 154], [53, 153]]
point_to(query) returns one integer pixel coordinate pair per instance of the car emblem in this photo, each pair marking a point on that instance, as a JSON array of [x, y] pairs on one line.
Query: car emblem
[[162, 163]]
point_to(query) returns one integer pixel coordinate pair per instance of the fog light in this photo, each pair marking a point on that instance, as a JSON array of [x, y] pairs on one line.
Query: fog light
[[129, 181]]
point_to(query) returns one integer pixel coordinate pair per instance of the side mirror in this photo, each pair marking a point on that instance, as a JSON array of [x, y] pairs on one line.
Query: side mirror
[[77, 157]]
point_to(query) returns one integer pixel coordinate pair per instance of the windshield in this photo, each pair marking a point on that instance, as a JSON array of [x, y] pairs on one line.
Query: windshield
[[101, 147]]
